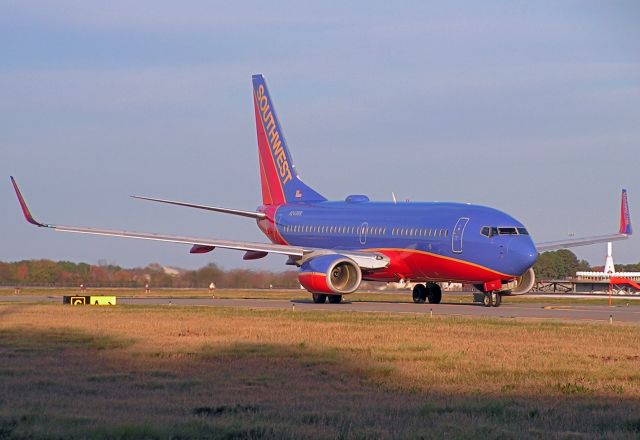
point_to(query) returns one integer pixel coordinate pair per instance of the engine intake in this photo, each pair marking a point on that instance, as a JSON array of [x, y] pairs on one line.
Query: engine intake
[[523, 283], [518, 286], [332, 274]]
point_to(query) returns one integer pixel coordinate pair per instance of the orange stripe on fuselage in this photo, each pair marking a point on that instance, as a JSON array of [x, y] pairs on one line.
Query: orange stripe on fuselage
[[414, 264]]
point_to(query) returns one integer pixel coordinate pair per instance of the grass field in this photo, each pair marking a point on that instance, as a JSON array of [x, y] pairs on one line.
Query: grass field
[[386, 296], [169, 372]]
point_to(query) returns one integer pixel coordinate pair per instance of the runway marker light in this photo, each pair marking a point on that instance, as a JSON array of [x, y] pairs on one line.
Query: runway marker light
[[610, 319]]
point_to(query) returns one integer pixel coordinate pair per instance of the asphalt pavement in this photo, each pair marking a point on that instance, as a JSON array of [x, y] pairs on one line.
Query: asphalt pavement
[[542, 310]]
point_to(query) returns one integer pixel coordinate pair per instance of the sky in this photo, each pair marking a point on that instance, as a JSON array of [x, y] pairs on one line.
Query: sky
[[530, 107]]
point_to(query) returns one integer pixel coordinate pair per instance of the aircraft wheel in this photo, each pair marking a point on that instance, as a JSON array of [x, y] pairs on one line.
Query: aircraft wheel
[[487, 301], [497, 299], [335, 299], [319, 298], [419, 293], [435, 293]]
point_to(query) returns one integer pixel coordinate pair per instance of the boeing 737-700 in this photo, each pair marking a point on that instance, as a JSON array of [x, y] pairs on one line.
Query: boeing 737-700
[[338, 244]]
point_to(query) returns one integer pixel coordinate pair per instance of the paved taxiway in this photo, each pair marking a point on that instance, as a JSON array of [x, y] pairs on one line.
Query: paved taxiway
[[567, 312]]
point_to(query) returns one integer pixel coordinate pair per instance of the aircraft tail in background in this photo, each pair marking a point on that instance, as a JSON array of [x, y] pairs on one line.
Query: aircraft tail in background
[[625, 217], [278, 177]]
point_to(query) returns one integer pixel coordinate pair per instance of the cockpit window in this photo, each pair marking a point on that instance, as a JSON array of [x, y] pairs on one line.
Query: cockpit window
[[490, 231]]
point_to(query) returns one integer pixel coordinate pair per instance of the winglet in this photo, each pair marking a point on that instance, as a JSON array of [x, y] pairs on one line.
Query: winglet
[[25, 208], [625, 217]]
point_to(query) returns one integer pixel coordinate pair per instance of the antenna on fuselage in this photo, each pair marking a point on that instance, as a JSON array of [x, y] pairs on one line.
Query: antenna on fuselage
[[393, 196]]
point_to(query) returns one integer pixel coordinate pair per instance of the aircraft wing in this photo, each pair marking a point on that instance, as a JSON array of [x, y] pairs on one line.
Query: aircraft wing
[[366, 260], [624, 232], [575, 242], [228, 244]]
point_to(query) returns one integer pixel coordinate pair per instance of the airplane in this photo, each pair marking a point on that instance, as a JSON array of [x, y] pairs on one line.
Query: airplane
[[338, 244]]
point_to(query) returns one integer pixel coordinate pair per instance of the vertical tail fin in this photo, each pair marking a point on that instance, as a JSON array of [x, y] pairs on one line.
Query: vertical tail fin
[[280, 182], [625, 217]]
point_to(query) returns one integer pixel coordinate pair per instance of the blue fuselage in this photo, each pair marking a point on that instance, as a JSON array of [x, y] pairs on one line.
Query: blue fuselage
[[441, 241]]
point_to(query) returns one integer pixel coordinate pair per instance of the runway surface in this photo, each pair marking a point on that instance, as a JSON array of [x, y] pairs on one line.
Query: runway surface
[[574, 312]]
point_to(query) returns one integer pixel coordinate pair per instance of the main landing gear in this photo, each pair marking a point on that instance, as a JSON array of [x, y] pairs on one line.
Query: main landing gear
[[430, 292], [492, 299], [321, 298]]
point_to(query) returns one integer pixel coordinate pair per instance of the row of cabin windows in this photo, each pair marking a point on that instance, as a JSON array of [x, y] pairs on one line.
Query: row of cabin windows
[[403, 232], [420, 232], [336, 229]]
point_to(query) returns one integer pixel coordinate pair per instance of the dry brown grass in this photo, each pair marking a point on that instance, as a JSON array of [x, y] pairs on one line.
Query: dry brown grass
[[162, 372]]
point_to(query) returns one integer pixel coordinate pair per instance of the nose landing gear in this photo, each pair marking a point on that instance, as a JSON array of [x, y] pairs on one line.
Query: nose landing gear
[[492, 299]]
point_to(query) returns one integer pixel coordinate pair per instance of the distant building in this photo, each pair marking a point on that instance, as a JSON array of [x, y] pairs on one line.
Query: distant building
[[598, 282]]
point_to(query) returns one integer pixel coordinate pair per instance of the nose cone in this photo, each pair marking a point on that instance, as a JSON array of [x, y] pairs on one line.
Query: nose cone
[[522, 254]]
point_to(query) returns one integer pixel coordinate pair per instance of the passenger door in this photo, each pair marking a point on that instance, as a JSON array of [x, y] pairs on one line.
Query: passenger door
[[364, 228], [458, 232]]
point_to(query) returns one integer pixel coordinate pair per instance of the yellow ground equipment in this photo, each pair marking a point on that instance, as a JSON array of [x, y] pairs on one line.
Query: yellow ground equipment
[[94, 300]]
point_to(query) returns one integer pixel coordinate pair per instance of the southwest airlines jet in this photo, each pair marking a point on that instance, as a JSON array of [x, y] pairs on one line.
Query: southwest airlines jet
[[338, 244]]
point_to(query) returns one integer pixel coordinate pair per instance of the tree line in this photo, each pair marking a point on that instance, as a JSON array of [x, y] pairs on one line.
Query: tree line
[[550, 265], [556, 265], [68, 274], [564, 264]]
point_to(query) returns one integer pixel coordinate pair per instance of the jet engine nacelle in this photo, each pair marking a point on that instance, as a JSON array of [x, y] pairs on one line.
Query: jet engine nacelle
[[523, 283], [330, 274], [519, 286]]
